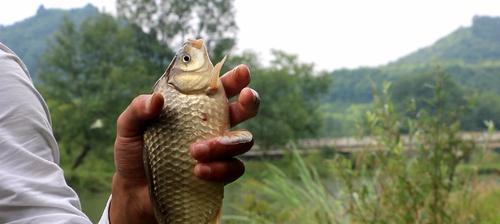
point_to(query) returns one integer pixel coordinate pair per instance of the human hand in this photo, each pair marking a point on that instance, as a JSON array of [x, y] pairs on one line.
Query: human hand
[[131, 202]]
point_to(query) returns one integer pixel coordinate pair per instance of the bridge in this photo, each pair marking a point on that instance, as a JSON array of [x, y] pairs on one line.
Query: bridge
[[348, 145]]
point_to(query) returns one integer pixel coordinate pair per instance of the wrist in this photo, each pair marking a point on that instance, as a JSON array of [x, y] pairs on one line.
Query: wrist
[[130, 202]]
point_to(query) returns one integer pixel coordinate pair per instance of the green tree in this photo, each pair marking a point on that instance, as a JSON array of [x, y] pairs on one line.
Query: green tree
[[291, 95], [89, 74], [486, 107], [412, 180], [418, 90], [176, 20]]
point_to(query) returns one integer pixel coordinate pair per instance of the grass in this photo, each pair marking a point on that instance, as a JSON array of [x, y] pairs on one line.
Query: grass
[[489, 201], [298, 197]]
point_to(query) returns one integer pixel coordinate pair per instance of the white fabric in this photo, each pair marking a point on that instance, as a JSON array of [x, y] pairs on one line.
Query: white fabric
[[105, 218], [32, 185]]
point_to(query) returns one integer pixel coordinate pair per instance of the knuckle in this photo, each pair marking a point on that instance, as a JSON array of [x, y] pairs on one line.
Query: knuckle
[[208, 155], [137, 103]]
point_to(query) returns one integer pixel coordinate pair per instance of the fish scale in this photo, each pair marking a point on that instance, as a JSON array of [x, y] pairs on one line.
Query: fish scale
[[179, 196]]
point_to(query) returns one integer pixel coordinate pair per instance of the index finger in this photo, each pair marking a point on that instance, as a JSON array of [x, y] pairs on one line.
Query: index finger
[[235, 80]]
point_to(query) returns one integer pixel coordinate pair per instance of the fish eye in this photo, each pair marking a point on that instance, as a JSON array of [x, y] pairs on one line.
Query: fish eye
[[186, 58]]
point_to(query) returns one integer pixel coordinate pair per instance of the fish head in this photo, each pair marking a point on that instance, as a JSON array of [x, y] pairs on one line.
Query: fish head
[[191, 70], [193, 57]]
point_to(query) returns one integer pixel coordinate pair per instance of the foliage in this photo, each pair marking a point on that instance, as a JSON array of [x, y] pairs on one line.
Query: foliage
[[177, 20], [353, 85], [413, 179], [29, 37], [90, 73], [289, 108], [465, 83], [414, 184], [486, 107], [341, 119], [488, 201], [416, 93]]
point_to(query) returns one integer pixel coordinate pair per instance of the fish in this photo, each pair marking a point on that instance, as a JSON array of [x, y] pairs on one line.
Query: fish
[[195, 108]]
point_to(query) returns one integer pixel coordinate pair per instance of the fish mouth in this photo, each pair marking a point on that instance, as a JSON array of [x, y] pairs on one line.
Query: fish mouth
[[198, 43]]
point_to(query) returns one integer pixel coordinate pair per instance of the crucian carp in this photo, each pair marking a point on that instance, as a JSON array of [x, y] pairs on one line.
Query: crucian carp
[[195, 108]]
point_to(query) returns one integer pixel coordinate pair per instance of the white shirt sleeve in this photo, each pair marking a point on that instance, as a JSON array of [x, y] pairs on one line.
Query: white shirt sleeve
[[105, 214], [32, 185]]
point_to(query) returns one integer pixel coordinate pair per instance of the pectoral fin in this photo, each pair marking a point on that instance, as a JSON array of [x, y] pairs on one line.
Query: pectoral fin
[[214, 77]]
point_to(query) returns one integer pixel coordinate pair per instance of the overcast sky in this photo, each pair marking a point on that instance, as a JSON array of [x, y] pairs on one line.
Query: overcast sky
[[331, 34]]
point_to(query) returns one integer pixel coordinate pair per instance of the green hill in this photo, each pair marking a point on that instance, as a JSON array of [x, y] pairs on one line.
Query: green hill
[[475, 44], [28, 38], [470, 56]]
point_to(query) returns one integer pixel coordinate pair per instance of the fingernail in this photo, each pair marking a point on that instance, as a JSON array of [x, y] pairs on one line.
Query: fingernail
[[148, 103], [202, 171], [200, 150], [256, 97], [239, 138], [237, 73], [248, 69], [242, 66]]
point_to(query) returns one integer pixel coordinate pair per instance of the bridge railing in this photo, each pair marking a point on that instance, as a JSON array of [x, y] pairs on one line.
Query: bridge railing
[[353, 144]]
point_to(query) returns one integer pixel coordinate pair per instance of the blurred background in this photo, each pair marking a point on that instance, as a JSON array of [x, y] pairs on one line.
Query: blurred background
[[372, 112]]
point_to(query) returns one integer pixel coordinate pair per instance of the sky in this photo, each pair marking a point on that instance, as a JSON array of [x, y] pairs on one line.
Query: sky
[[332, 34]]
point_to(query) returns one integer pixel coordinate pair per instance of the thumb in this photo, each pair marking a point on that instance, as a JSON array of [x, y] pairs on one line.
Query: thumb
[[130, 127]]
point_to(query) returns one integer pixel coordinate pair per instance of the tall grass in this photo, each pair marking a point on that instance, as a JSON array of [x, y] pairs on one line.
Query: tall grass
[[299, 197]]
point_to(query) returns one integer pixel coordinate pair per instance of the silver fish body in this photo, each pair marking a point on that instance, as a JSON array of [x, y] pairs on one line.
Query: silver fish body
[[178, 196]]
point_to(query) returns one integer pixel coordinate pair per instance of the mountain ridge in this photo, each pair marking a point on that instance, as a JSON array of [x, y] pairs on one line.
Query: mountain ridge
[[29, 37], [476, 43]]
